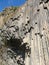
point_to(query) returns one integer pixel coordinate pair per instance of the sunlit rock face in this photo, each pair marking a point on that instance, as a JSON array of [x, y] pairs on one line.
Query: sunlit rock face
[[24, 38]]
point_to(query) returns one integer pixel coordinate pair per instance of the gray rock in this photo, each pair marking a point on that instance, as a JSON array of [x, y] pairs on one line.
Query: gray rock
[[27, 36]]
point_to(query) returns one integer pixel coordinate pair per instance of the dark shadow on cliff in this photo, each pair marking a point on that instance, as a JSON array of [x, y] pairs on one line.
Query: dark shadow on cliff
[[15, 44]]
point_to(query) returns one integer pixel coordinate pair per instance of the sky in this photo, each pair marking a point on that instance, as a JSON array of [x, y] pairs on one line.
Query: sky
[[7, 3]]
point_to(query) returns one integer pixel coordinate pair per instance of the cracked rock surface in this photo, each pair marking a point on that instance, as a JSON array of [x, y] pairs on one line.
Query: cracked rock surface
[[24, 38]]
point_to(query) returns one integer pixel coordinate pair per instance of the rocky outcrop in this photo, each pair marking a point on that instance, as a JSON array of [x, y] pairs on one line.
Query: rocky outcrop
[[24, 38]]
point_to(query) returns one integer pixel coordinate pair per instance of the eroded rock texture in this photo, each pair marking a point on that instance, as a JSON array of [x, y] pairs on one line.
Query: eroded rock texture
[[26, 36]]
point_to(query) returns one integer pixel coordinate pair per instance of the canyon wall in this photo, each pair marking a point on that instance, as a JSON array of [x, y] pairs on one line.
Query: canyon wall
[[24, 38]]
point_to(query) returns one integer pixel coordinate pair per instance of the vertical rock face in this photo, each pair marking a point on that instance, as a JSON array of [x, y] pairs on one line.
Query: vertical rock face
[[26, 36]]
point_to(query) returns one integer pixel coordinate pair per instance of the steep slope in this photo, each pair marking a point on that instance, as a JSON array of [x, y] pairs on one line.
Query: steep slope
[[25, 36], [7, 14]]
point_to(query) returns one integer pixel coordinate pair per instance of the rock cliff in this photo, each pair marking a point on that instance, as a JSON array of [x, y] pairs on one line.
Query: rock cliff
[[24, 36]]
